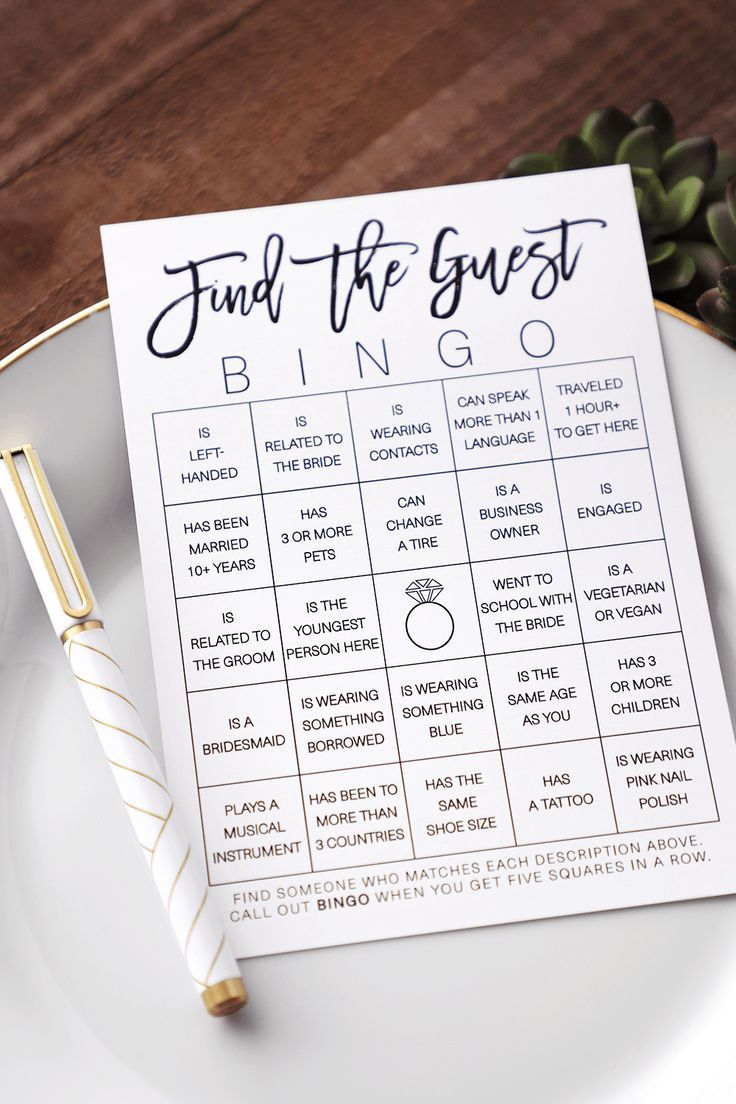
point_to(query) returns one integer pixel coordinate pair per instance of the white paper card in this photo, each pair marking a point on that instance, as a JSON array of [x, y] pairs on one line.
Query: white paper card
[[431, 643]]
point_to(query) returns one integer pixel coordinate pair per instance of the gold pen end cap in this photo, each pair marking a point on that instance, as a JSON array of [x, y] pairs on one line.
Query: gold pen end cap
[[225, 997]]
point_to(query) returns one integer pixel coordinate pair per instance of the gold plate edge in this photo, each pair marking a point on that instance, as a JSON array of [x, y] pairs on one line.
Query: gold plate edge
[[696, 322], [41, 338], [104, 304]]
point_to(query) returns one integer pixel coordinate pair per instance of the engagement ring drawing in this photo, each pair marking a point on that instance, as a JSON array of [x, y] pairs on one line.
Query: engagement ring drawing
[[429, 625]]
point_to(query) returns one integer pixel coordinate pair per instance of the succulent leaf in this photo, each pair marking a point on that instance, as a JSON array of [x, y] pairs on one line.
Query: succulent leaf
[[654, 113], [690, 157], [718, 312], [725, 167], [673, 273], [659, 251], [654, 197], [727, 284], [640, 148], [708, 259], [731, 196], [680, 204], [604, 130], [530, 164], [573, 153], [723, 230]]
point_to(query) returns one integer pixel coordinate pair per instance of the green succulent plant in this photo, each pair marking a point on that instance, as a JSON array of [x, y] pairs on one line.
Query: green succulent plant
[[689, 230], [717, 305]]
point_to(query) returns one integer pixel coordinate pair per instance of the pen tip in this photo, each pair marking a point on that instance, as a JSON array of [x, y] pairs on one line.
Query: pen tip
[[225, 997]]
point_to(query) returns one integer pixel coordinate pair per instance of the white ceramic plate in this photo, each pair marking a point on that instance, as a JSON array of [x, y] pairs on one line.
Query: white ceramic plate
[[629, 1006]]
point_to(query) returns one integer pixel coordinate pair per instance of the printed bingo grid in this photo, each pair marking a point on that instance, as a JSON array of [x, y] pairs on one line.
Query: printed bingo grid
[[427, 619]]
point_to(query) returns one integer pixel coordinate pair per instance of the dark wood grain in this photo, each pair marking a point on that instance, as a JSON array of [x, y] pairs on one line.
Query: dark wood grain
[[117, 110]]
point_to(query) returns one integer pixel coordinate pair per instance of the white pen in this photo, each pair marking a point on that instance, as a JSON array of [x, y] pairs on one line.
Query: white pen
[[78, 623]]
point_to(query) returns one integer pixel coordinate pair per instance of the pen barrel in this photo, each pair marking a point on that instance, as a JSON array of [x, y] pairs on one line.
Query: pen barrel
[[173, 865]]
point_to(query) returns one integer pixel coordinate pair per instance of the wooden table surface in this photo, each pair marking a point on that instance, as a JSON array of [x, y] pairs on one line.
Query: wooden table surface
[[119, 110]]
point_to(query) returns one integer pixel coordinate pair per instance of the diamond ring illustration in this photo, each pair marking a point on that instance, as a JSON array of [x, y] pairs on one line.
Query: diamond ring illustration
[[429, 625]]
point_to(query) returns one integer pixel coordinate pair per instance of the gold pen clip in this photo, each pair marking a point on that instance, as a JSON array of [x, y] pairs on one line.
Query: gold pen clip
[[57, 525]]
